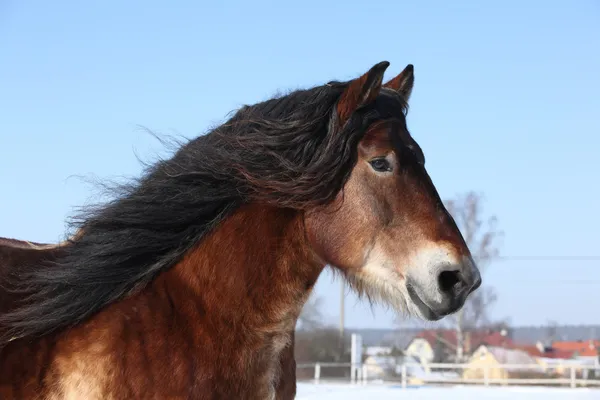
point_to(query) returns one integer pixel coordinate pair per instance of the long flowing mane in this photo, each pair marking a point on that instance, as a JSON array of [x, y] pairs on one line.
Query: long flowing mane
[[288, 152]]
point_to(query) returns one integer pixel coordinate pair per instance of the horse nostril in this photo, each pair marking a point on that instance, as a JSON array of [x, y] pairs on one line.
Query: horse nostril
[[448, 280]]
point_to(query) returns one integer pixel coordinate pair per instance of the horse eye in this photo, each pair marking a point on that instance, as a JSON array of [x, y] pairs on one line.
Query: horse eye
[[380, 165]]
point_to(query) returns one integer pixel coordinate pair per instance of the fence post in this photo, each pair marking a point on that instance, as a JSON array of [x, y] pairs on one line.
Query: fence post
[[317, 372], [486, 375], [403, 376], [573, 383]]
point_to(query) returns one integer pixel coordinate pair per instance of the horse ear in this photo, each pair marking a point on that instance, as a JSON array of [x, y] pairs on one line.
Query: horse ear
[[404, 82], [361, 92]]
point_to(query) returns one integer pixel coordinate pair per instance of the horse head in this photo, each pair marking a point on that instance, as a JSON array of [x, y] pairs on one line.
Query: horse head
[[387, 230]]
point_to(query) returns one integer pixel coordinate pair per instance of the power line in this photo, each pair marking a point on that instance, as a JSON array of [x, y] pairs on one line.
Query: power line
[[555, 282], [547, 258]]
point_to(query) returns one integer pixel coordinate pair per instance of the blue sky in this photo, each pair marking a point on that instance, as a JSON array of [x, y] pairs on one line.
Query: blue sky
[[506, 103]]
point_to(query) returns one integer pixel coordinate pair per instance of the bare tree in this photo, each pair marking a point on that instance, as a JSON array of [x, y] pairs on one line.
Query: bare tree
[[551, 332], [311, 317], [320, 345], [318, 341], [482, 238]]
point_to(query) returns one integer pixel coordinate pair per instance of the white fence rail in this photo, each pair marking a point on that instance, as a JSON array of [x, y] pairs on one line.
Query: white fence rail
[[573, 375]]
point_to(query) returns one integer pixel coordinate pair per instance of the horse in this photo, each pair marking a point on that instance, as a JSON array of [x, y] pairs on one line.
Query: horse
[[188, 284]]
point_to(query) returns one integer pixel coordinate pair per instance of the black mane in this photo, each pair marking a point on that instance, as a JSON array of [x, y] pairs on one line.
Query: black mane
[[287, 151]]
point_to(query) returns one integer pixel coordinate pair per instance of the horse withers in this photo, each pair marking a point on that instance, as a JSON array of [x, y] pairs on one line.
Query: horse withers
[[188, 285]]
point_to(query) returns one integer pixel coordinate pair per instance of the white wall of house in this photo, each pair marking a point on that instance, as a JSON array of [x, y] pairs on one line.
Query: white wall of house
[[420, 349]]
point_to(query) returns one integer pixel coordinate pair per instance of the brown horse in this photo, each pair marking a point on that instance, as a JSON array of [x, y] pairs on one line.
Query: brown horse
[[189, 283]]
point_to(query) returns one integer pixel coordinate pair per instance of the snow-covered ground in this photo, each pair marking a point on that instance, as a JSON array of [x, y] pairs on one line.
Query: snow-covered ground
[[325, 391]]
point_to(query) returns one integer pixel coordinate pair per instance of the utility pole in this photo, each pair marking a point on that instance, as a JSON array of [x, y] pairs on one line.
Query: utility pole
[[341, 343], [342, 298], [459, 337]]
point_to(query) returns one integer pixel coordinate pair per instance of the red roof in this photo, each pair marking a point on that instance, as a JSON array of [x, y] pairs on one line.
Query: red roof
[[533, 351], [471, 340], [549, 353], [589, 353], [587, 346], [558, 353], [559, 350]]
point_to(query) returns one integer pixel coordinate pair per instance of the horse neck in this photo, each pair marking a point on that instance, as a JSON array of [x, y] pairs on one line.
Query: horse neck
[[255, 269]]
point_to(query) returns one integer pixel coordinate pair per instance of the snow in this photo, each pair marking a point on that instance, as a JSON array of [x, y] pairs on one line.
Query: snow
[[332, 391]]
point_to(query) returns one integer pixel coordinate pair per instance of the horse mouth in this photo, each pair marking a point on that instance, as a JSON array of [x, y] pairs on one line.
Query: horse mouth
[[426, 311]]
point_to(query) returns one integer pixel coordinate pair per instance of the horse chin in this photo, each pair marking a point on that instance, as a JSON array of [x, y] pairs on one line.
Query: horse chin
[[392, 293]]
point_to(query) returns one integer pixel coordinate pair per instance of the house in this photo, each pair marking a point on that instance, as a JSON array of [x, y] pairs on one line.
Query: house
[[589, 354], [560, 357], [494, 360], [421, 349], [561, 354], [552, 361], [584, 350]]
